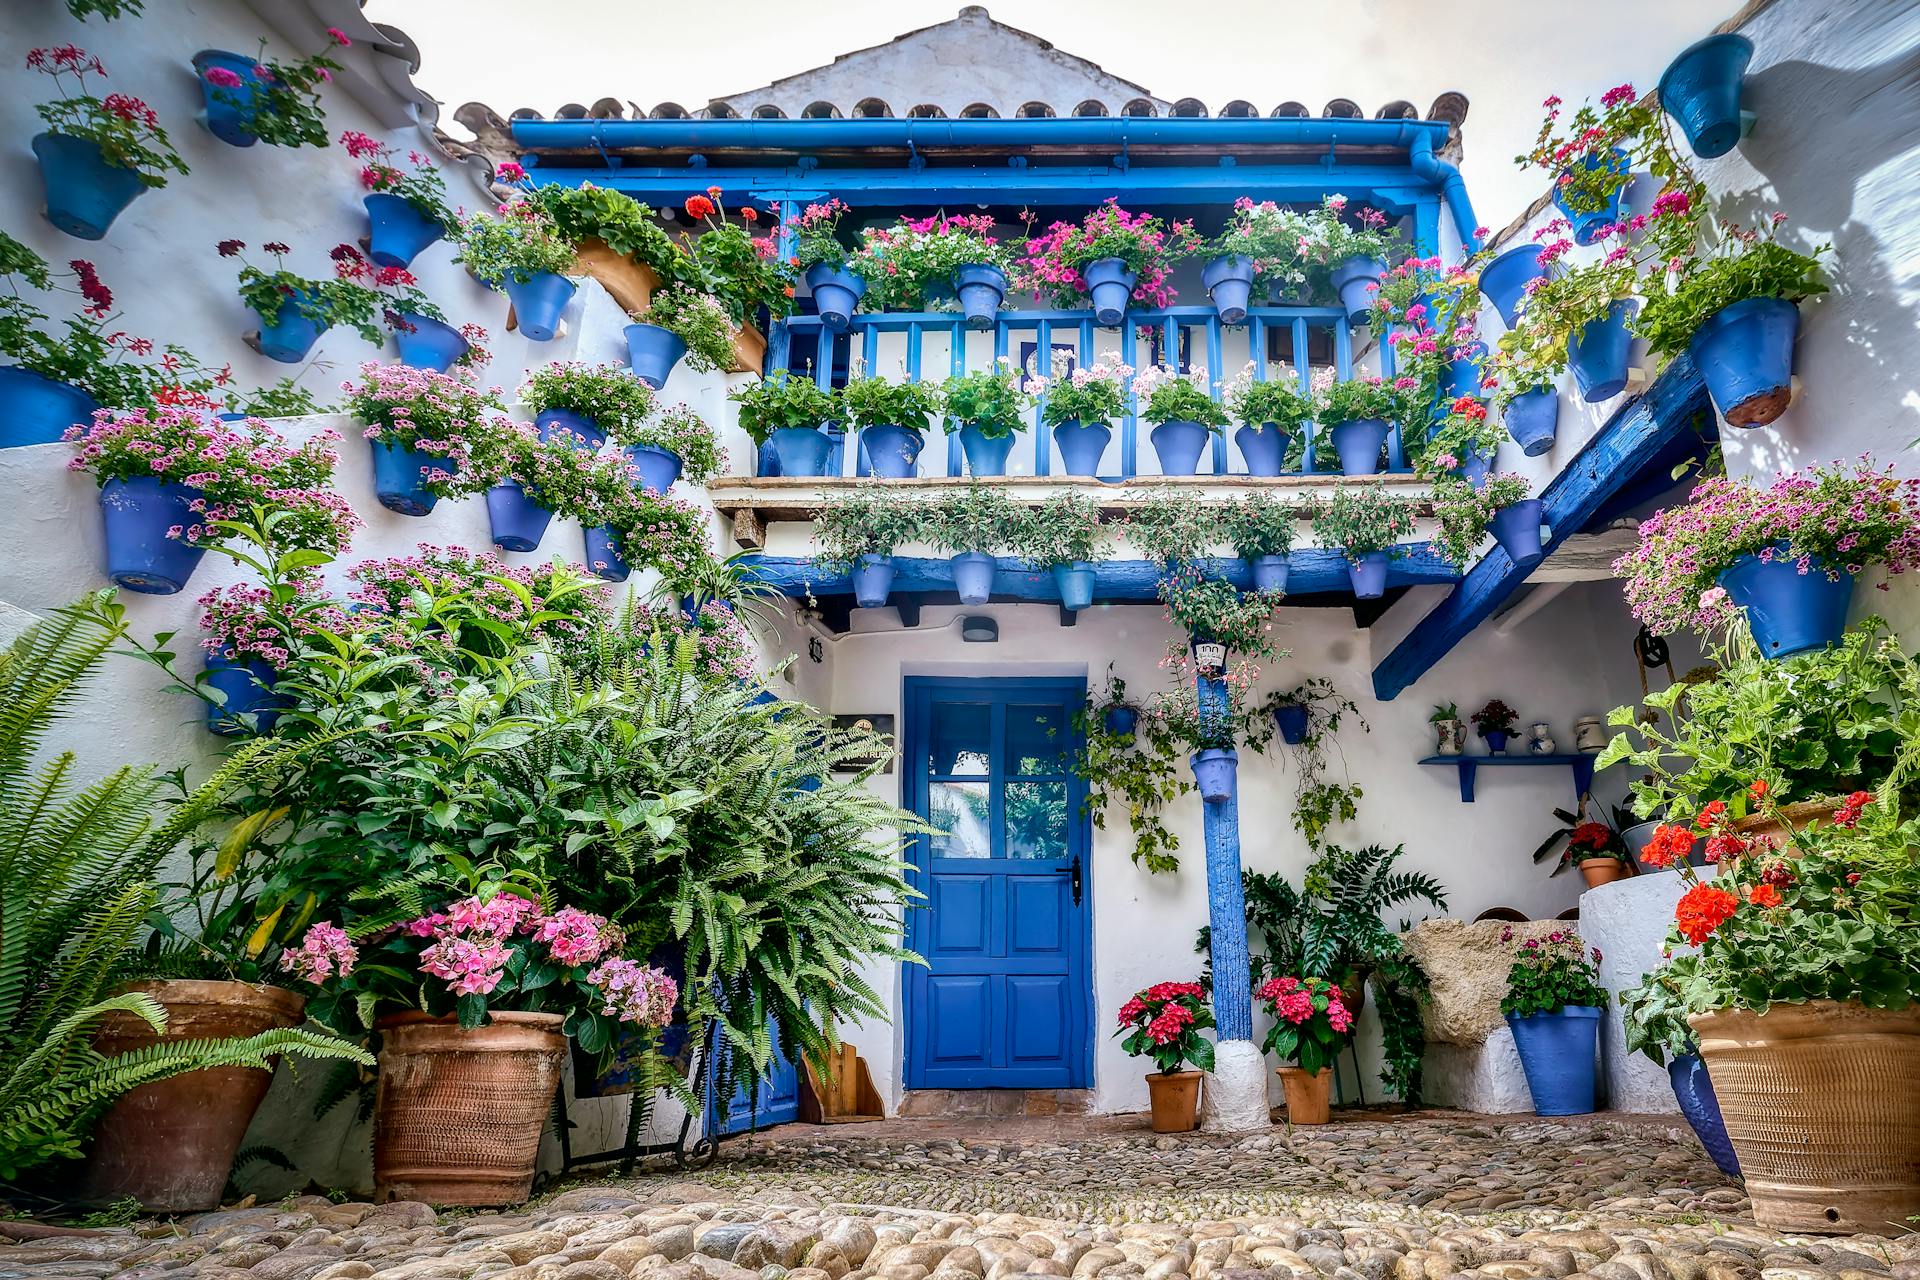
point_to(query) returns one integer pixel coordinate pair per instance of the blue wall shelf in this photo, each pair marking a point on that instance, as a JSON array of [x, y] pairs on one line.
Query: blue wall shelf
[[1469, 767]]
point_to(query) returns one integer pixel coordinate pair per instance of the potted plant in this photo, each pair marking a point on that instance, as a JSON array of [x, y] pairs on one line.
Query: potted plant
[[248, 634], [97, 153], [1064, 535], [1502, 505], [856, 534], [588, 401], [1575, 316], [1260, 244], [1494, 723], [1270, 411], [1700, 89], [1360, 413], [973, 523], [1109, 257], [1311, 1025], [1508, 280], [1462, 445], [743, 270], [294, 310], [789, 412], [917, 259], [1164, 1023], [1365, 522], [254, 99], [679, 322], [1354, 258], [1595, 847], [991, 408], [1113, 712], [1261, 529], [1449, 730], [1592, 161], [673, 444], [1553, 1005], [417, 423], [425, 340], [1078, 403], [1654, 1018], [407, 209], [826, 264], [623, 521], [1173, 527], [1183, 413], [892, 419], [1785, 555], [523, 253]]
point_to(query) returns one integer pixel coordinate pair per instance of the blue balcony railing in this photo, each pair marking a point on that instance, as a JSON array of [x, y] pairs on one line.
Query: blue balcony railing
[[801, 341]]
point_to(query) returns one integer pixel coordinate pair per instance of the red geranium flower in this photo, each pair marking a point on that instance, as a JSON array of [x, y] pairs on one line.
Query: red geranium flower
[[1764, 895], [698, 206], [1701, 910], [1669, 845]]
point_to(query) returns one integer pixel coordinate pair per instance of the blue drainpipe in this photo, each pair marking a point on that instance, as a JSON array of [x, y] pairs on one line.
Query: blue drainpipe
[[1453, 188]]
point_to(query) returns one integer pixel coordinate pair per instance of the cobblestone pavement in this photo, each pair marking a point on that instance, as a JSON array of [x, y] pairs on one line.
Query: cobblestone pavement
[[1425, 1197]]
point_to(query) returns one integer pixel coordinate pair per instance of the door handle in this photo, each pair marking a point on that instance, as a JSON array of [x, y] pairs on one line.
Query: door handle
[[1074, 871]]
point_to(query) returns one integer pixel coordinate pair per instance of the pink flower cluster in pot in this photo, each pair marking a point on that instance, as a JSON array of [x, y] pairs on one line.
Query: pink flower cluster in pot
[[1164, 1023], [1311, 1020]]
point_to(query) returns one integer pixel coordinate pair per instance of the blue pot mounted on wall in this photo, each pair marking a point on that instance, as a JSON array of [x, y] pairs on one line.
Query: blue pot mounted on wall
[[1111, 286], [892, 451], [1367, 575], [518, 522], [84, 193], [1474, 466], [399, 477], [802, 451], [1588, 224], [1700, 89], [1229, 282], [1532, 418], [1075, 583], [288, 334], [1598, 353], [1121, 721], [428, 344], [538, 303], [652, 352], [604, 554], [1082, 444], [137, 514], [1788, 611], [1358, 443], [1178, 444], [1558, 1051], [37, 410], [981, 289], [1745, 355], [396, 231], [659, 468], [229, 110], [1693, 1090], [835, 295], [986, 455], [1269, 572], [577, 429], [1263, 447], [872, 580], [1290, 718], [1356, 280], [1462, 377], [248, 690], [1214, 773], [1517, 529], [1504, 281], [973, 576]]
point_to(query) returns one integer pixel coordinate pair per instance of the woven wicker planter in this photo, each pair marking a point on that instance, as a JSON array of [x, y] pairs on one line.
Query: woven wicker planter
[[1822, 1102], [459, 1112]]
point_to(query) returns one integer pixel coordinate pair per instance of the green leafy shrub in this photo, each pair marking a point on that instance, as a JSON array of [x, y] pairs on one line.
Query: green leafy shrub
[[783, 400], [990, 399]]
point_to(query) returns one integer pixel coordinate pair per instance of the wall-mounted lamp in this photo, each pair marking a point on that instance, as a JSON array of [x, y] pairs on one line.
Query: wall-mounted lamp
[[979, 629]]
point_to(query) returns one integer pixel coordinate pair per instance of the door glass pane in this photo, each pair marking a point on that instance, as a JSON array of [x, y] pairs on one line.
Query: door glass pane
[[1038, 739], [1036, 819], [961, 811], [959, 739]]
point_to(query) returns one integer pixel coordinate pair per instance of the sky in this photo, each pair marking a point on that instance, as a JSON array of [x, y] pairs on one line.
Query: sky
[[1506, 56]]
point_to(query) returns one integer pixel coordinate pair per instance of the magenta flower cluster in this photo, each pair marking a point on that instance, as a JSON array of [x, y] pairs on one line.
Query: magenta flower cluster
[[324, 952]]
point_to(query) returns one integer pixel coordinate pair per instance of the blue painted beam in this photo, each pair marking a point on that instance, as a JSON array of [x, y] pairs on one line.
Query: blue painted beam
[[1611, 459], [1310, 570]]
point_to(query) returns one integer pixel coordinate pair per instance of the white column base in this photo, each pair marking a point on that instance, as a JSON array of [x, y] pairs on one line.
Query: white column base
[[1234, 1099]]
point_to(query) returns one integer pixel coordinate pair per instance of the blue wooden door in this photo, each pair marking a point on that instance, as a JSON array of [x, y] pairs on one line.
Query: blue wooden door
[[1004, 1001], [778, 1099]]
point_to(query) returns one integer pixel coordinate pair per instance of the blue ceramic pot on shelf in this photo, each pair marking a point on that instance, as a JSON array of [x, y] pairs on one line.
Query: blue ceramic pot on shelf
[[980, 289], [1178, 443], [1359, 443], [1111, 286], [1745, 356], [872, 580], [425, 343], [1558, 1052], [1700, 89], [892, 451], [1496, 740], [1598, 353], [1075, 584], [138, 515], [1214, 773], [973, 576], [399, 477], [84, 193], [396, 231], [38, 410], [652, 353], [835, 295], [229, 109], [517, 521], [802, 451], [1789, 611], [1081, 446], [538, 303], [1229, 282], [659, 468], [986, 455], [1264, 448]]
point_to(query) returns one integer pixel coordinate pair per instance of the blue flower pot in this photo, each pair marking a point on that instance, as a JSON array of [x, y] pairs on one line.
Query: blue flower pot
[[1213, 773], [1700, 89], [1111, 286], [1269, 572], [802, 451], [248, 690], [1121, 721], [1474, 467], [1462, 377], [288, 334], [892, 450], [1358, 443], [1598, 353], [1533, 420], [538, 303], [84, 193], [1356, 280], [1788, 611], [973, 576], [1693, 1090], [1745, 355], [428, 344], [981, 289], [1504, 281], [518, 522], [1367, 574], [137, 514], [38, 410], [1517, 530], [584, 432], [872, 580], [1178, 444], [1558, 1051], [835, 295], [1290, 718], [659, 468], [603, 553], [1075, 582], [1588, 225], [1081, 446], [396, 231], [229, 110], [986, 455], [399, 479], [1496, 741], [1229, 282], [652, 352], [1264, 447]]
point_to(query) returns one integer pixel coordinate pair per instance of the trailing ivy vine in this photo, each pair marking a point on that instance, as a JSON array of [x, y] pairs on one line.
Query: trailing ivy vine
[[1317, 802], [1140, 769]]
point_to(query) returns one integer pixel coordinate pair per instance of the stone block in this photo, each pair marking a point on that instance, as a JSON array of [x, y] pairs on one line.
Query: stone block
[[1466, 965], [1483, 1077]]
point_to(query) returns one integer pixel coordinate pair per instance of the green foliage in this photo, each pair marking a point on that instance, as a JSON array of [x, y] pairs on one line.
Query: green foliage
[[1140, 769], [1177, 397], [1259, 525], [1654, 1015], [1464, 512], [1318, 803], [1173, 526], [627, 226], [1550, 974], [1164, 1023], [1089, 394], [1278, 240], [1362, 518], [783, 400], [1311, 1021], [617, 401], [282, 108], [876, 401], [1061, 530], [334, 300], [680, 430], [1215, 609], [108, 9], [519, 244], [1369, 398], [905, 262], [867, 520], [697, 319], [126, 130], [1278, 399], [990, 399], [1746, 265], [976, 517], [284, 399]]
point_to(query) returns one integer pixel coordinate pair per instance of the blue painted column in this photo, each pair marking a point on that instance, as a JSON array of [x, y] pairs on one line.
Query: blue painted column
[[1226, 901]]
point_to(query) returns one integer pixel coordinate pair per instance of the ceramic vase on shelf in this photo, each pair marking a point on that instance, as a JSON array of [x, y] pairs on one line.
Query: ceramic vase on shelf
[[1540, 740], [1451, 736], [1590, 734]]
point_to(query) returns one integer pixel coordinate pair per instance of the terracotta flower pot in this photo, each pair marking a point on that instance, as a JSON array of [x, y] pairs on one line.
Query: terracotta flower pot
[[1307, 1094], [1789, 818], [459, 1112], [1822, 1102], [170, 1144], [1599, 871], [1175, 1096]]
